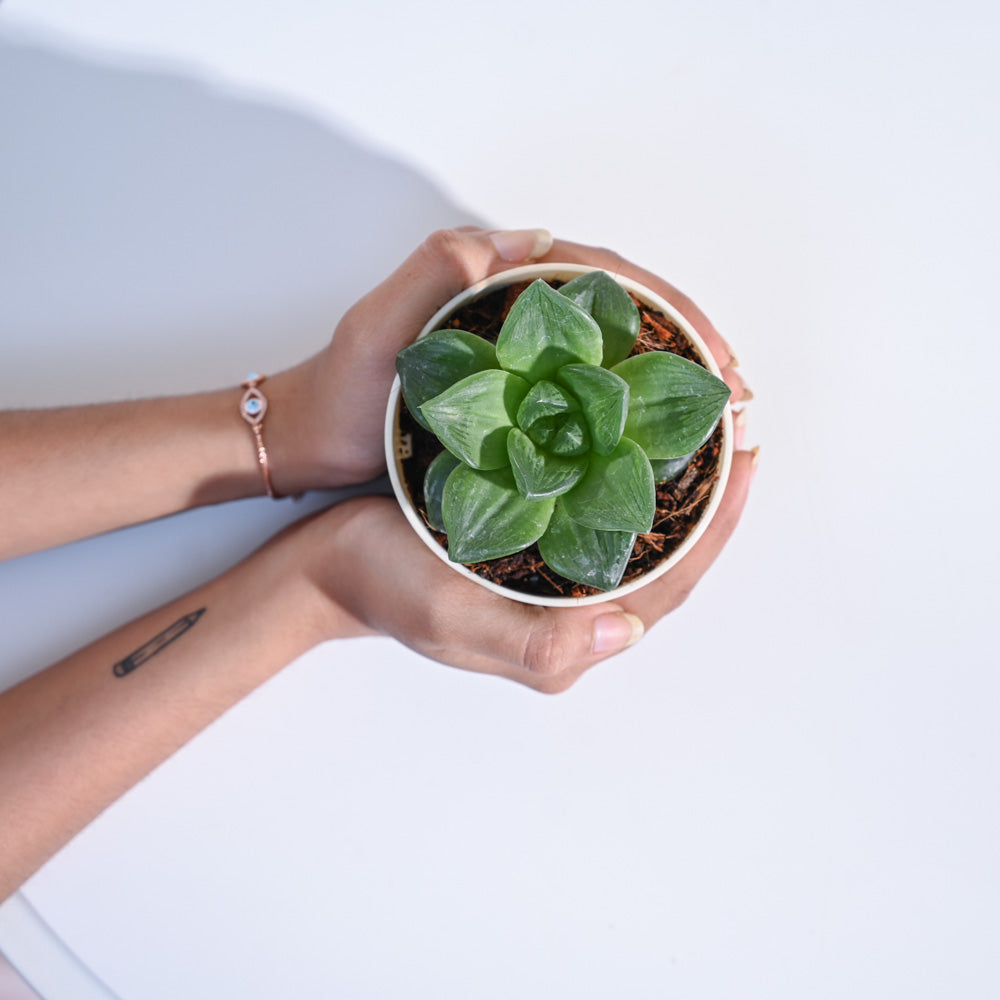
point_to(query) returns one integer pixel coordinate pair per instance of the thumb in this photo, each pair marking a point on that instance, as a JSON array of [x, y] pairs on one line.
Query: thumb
[[547, 649], [448, 261]]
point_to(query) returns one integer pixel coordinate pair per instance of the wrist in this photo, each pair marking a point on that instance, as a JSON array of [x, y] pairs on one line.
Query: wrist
[[296, 577], [295, 432]]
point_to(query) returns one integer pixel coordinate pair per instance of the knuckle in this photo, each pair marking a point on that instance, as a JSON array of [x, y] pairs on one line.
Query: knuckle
[[546, 653], [444, 245]]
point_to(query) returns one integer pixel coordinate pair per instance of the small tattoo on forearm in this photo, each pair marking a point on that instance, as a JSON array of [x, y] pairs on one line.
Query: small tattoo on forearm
[[157, 644]]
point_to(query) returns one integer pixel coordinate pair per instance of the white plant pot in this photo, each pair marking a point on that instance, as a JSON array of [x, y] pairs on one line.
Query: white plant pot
[[395, 450]]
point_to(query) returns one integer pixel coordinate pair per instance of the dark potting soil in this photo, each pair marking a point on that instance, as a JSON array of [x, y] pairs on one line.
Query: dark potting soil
[[679, 504]]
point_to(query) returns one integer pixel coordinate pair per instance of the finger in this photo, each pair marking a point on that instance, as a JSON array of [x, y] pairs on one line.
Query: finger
[[668, 593], [740, 391], [739, 428], [547, 649], [609, 260]]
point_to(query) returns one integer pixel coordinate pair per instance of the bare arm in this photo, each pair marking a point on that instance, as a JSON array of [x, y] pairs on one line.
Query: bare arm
[[78, 471], [75, 737]]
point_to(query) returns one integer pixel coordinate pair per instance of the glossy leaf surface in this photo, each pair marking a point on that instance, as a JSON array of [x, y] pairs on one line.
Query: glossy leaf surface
[[542, 410], [544, 331], [434, 479], [616, 492], [674, 404], [487, 518], [538, 474], [582, 554], [603, 397], [473, 417], [430, 365], [667, 469], [572, 436], [612, 307], [553, 419]]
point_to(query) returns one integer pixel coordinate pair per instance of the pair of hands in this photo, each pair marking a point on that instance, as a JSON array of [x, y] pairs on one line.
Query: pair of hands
[[369, 570]]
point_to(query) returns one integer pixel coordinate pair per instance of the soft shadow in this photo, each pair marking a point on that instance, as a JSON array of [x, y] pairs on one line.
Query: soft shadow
[[161, 234]]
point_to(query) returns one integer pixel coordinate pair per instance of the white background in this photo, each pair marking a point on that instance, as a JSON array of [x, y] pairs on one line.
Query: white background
[[790, 787]]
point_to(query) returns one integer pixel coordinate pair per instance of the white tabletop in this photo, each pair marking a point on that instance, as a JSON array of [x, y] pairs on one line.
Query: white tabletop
[[789, 788]]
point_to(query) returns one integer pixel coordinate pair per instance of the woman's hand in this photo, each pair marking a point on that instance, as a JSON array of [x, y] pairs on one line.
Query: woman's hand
[[325, 427], [373, 575]]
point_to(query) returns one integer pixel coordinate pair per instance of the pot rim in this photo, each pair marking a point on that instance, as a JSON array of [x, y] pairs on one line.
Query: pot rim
[[559, 271]]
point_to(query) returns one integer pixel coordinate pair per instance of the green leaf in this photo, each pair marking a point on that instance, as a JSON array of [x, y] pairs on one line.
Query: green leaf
[[434, 479], [571, 437], [487, 518], [537, 473], [472, 417], [613, 309], [604, 399], [616, 492], [544, 331], [551, 417], [428, 366], [674, 404], [596, 558], [666, 469], [544, 401]]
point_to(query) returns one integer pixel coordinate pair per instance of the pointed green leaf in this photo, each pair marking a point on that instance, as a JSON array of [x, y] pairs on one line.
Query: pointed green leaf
[[487, 518], [616, 492], [434, 479], [544, 400], [613, 309], [604, 399], [571, 437], [667, 469], [674, 404], [472, 417], [544, 331], [538, 474], [596, 558], [428, 366], [551, 417]]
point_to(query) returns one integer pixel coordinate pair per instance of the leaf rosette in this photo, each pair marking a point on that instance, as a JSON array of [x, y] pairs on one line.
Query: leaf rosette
[[556, 434]]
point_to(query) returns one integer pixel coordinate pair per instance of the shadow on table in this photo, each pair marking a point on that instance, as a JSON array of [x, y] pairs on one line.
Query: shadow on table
[[162, 232]]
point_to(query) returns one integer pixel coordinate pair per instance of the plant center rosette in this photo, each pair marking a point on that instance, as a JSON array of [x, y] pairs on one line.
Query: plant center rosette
[[553, 435]]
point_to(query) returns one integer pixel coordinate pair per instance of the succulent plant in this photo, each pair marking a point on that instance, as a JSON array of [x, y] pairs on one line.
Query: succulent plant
[[555, 435]]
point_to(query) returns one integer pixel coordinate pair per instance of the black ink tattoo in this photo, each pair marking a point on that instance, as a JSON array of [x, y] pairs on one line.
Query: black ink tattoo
[[156, 645]]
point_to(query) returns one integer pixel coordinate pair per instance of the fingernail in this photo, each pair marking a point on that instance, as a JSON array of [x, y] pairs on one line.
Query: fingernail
[[617, 631], [746, 395], [521, 244], [739, 426], [754, 458]]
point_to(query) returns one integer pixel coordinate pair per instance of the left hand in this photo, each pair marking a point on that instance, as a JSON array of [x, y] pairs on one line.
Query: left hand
[[337, 399]]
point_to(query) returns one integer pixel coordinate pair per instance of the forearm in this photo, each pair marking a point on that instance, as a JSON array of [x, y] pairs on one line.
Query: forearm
[[76, 736], [77, 471]]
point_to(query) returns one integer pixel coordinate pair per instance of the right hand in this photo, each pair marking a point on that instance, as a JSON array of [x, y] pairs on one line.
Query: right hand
[[374, 575]]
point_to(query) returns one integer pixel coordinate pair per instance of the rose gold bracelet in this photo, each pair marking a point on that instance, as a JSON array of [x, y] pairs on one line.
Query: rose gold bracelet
[[253, 406]]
